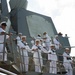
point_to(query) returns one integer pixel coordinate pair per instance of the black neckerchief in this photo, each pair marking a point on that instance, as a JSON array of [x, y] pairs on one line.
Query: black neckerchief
[[24, 43], [68, 58], [39, 47], [53, 50], [67, 53]]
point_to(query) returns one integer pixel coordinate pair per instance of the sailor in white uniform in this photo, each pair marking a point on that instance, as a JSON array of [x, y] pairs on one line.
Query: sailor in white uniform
[[67, 62], [37, 57], [33, 41], [56, 42], [18, 38], [2, 35], [24, 48], [39, 36], [52, 57], [47, 40]]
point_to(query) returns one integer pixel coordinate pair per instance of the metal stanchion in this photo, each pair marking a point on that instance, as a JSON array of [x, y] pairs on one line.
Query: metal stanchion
[[39, 58], [23, 59], [4, 47], [19, 52]]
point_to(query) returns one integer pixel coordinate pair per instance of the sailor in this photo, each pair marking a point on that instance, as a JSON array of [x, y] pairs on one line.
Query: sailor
[[41, 42], [2, 36], [18, 38], [67, 62], [38, 36], [37, 57], [33, 41], [56, 42], [24, 48], [52, 57], [47, 40]]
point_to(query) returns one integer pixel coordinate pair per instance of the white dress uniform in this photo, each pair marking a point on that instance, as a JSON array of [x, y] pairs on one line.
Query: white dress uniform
[[32, 42], [24, 54], [2, 45], [67, 63], [18, 39], [56, 43], [53, 61], [47, 42], [37, 57]]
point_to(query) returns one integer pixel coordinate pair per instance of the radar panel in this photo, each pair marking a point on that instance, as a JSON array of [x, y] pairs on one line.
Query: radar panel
[[39, 25]]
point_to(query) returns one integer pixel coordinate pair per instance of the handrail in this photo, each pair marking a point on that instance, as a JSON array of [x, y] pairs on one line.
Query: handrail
[[47, 61], [10, 43], [7, 72], [20, 56], [12, 53]]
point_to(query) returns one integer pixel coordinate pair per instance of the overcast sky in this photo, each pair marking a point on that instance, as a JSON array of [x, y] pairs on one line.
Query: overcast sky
[[62, 13]]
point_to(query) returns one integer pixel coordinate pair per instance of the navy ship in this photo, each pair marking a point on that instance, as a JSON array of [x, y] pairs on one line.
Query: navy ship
[[29, 23]]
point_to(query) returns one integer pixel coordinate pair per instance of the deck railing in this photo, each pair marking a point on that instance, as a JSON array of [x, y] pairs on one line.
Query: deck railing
[[46, 63], [19, 60]]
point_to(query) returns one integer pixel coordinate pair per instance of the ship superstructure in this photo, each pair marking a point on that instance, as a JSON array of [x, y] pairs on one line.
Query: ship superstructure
[[29, 24]]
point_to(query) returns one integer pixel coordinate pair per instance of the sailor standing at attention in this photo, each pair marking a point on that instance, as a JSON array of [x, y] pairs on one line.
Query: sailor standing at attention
[[67, 62], [18, 38], [52, 57], [23, 45], [2, 35], [47, 40], [37, 57]]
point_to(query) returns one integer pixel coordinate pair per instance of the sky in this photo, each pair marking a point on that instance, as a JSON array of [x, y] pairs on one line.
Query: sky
[[62, 13]]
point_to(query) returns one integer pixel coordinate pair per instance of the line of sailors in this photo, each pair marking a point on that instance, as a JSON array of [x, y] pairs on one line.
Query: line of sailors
[[44, 46], [38, 47]]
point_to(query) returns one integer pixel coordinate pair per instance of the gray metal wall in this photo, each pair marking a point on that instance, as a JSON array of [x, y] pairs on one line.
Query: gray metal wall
[[22, 23]]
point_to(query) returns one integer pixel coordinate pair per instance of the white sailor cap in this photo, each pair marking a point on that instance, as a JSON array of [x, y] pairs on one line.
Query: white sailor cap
[[19, 33], [3, 23], [52, 45], [67, 49], [23, 36], [37, 40], [39, 35]]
